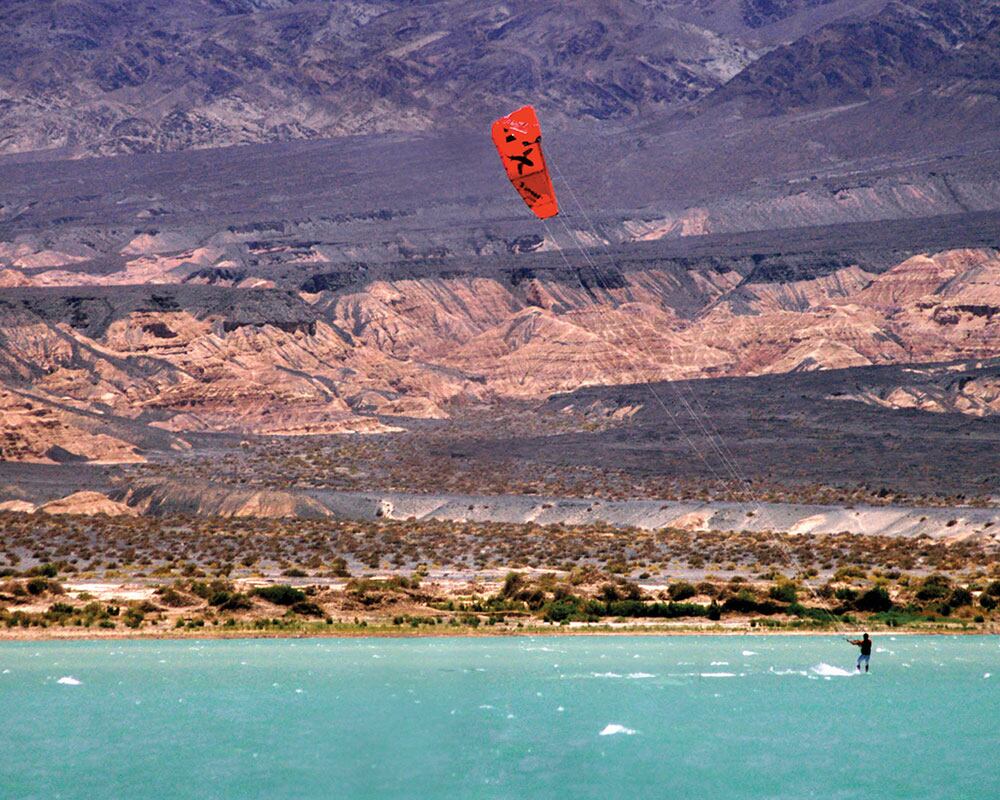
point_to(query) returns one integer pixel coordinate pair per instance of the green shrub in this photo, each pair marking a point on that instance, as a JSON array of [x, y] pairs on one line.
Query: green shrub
[[206, 589], [564, 609], [295, 572], [812, 613], [988, 601], [338, 567], [307, 609], [960, 597], [636, 608], [682, 590], [512, 584], [934, 587], [743, 602], [846, 573], [784, 592], [846, 595], [134, 618], [874, 600], [230, 601], [280, 594], [609, 593], [172, 598]]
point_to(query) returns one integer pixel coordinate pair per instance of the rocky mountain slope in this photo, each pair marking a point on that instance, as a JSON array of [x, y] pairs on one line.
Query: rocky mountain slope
[[908, 49], [116, 77], [714, 160]]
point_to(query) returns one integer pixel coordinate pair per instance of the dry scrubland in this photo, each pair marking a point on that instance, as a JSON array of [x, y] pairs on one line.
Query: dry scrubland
[[164, 576]]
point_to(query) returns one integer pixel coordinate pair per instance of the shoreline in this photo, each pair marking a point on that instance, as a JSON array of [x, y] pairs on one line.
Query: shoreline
[[353, 632]]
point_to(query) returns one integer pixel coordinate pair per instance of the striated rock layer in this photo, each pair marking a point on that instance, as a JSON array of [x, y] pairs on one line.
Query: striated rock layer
[[93, 374]]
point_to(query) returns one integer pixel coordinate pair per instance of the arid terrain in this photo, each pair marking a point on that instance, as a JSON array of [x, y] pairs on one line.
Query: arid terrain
[[69, 574], [269, 315]]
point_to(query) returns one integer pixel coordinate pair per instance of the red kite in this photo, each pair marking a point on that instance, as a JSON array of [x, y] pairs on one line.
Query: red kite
[[518, 138]]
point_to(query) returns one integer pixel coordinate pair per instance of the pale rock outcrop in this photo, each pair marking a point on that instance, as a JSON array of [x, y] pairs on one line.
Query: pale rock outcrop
[[18, 506], [88, 504]]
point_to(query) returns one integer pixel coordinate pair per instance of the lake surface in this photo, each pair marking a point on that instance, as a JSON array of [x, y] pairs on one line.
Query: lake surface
[[547, 717]]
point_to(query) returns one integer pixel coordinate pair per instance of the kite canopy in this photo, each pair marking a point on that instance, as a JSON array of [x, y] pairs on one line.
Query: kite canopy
[[518, 138]]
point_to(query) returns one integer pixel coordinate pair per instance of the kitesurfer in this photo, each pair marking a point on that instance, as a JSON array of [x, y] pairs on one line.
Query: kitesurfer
[[866, 650]]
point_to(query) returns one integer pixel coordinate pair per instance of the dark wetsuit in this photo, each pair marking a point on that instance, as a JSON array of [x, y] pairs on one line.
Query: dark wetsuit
[[866, 653]]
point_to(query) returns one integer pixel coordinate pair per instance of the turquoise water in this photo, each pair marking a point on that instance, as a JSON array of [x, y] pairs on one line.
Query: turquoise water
[[699, 717]]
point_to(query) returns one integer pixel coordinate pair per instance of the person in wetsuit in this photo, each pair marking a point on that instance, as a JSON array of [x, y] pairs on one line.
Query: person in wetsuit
[[866, 650]]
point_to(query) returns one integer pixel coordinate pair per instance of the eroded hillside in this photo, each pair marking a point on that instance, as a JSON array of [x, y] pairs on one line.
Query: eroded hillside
[[182, 358]]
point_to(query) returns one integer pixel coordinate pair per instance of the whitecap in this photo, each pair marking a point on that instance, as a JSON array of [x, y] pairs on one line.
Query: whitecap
[[986, 674], [612, 728], [718, 674], [640, 675], [605, 674], [69, 680], [719, 664], [829, 671], [749, 653]]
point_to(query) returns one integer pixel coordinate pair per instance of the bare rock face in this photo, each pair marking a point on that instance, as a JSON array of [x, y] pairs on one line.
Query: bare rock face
[[177, 371], [171, 497], [18, 506], [36, 431], [83, 365], [938, 391]]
